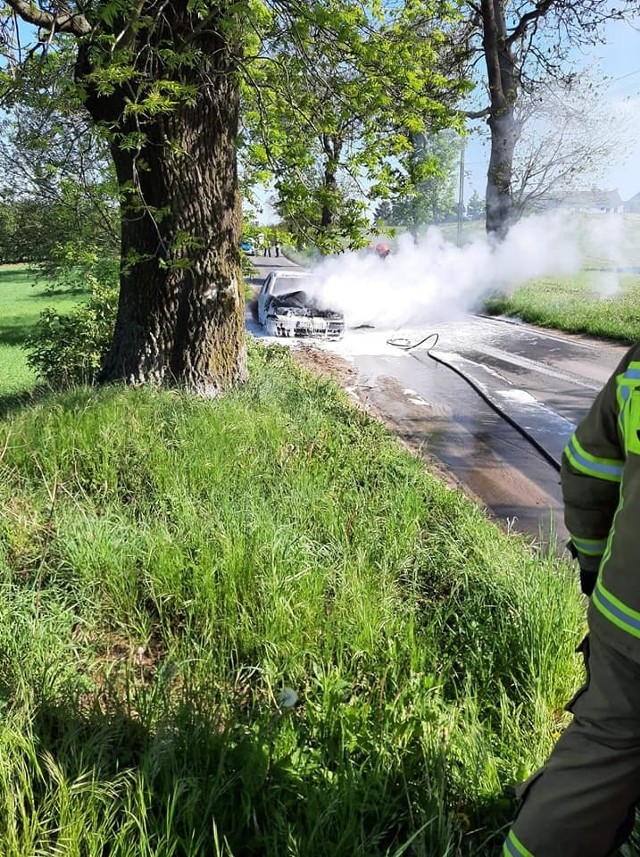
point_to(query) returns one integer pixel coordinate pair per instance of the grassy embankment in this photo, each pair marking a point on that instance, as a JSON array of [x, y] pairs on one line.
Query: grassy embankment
[[20, 306], [170, 566], [602, 300]]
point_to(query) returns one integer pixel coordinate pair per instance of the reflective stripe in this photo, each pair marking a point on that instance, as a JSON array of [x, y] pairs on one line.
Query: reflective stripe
[[602, 468], [615, 611], [612, 532], [624, 394], [514, 848], [624, 387], [589, 547]]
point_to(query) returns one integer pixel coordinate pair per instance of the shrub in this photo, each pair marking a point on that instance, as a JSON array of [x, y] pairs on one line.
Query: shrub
[[73, 269], [68, 349]]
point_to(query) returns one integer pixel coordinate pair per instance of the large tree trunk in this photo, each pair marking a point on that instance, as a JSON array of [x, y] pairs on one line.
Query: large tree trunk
[[504, 136], [502, 75], [181, 308]]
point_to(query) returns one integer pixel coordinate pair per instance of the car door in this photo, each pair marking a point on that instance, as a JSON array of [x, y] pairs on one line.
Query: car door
[[263, 299]]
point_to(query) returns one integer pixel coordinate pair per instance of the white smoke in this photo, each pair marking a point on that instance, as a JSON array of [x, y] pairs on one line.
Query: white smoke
[[605, 237], [432, 280]]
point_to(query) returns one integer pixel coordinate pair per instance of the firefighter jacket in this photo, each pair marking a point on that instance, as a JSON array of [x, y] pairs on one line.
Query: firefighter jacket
[[601, 490]]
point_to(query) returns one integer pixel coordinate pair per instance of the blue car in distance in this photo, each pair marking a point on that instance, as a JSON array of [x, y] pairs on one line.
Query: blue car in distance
[[247, 246]]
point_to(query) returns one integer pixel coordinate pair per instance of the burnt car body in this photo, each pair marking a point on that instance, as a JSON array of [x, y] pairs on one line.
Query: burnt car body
[[287, 307]]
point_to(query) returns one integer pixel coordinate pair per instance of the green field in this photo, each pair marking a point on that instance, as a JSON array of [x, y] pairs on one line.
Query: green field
[[602, 300], [20, 305], [574, 304]]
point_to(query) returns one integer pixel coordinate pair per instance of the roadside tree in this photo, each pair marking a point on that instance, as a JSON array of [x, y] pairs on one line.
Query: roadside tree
[[431, 172], [335, 128], [383, 214], [569, 137], [476, 207], [161, 82], [54, 165], [522, 43]]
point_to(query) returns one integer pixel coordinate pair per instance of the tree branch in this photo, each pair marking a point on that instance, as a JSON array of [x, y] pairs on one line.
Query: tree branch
[[476, 114], [529, 18], [72, 23]]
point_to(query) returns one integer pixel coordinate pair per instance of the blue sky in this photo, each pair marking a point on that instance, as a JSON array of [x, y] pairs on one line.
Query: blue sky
[[619, 59]]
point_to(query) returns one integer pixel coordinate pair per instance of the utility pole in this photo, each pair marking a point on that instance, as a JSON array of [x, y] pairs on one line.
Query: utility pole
[[461, 193]]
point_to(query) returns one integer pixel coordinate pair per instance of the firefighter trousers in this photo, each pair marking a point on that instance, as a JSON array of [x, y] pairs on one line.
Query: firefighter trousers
[[581, 803]]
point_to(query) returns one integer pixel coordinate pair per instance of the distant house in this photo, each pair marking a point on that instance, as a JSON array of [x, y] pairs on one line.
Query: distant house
[[607, 201], [633, 205]]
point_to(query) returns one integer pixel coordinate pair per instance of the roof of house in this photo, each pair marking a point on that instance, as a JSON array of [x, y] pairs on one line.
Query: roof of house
[[590, 198]]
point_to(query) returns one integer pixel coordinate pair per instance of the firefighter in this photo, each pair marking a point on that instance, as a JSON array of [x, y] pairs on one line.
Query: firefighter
[[581, 803]]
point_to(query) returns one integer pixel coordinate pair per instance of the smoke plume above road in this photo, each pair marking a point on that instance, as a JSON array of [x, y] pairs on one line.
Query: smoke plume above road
[[605, 237], [432, 280]]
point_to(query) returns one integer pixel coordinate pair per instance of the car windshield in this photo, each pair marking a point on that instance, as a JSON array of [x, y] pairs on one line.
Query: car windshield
[[286, 285]]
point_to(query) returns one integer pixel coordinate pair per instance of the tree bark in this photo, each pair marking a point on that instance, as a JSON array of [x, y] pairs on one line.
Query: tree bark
[[499, 199], [181, 307], [502, 76], [332, 148], [329, 192]]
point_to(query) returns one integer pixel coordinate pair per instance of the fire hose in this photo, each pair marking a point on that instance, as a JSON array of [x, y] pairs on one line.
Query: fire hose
[[406, 345]]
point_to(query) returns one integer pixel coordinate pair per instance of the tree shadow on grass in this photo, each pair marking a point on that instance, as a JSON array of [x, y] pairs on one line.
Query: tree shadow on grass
[[614, 269], [191, 779], [54, 293], [15, 272], [15, 334], [12, 403]]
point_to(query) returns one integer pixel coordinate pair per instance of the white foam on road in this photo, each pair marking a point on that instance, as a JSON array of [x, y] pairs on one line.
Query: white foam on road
[[517, 396], [354, 343]]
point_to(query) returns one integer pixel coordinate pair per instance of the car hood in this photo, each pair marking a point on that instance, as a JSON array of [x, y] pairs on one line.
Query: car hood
[[304, 303]]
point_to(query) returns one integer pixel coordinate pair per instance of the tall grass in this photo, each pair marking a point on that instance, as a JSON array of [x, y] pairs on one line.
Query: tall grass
[[258, 627]]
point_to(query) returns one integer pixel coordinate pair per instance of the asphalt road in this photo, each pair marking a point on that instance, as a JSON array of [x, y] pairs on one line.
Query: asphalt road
[[542, 380]]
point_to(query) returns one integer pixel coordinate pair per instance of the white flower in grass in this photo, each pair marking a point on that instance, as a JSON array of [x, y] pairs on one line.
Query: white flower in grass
[[287, 698]]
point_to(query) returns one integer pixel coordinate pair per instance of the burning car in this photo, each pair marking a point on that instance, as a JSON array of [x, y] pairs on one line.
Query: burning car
[[287, 306]]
